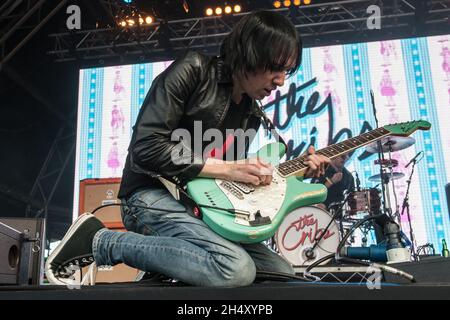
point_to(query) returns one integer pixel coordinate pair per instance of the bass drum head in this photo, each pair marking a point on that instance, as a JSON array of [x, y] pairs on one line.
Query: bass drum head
[[298, 232]]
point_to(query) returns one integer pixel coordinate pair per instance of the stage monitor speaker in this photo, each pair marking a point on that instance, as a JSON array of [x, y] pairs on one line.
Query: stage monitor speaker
[[98, 192], [10, 246], [10, 250]]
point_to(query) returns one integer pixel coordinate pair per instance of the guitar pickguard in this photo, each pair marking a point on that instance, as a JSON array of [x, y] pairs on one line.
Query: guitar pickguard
[[254, 201]]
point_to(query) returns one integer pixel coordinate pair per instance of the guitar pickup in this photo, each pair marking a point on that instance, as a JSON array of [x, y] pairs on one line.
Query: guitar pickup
[[245, 188]]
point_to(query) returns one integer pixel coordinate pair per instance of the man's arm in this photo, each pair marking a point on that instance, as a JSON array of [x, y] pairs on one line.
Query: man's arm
[[160, 115]]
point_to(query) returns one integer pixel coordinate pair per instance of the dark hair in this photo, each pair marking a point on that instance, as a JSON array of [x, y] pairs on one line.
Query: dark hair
[[262, 40]]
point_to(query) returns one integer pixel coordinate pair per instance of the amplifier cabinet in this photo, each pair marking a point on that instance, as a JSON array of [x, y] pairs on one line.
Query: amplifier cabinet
[[98, 192], [93, 194]]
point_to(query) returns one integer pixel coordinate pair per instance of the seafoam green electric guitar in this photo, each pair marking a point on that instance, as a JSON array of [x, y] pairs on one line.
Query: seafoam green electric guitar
[[249, 214]]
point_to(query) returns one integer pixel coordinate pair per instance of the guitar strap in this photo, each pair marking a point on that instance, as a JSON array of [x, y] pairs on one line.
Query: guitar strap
[[270, 127]]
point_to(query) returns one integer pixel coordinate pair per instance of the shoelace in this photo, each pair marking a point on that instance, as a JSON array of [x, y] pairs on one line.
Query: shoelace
[[89, 279], [67, 271]]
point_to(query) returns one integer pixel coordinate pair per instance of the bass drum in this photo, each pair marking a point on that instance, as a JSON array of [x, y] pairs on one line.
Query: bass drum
[[298, 232]]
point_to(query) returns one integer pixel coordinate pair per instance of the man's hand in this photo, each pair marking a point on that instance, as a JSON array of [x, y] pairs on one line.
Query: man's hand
[[253, 171], [317, 164], [337, 177]]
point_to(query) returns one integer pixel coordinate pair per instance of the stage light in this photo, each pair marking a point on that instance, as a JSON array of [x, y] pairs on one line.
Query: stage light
[[209, 12], [219, 11], [131, 22], [123, 24], [297, 2], [277, 4], [307, 1], [141, 21], [287, 3], [228, 10], [237, 8], [148, 20], [185, 6]]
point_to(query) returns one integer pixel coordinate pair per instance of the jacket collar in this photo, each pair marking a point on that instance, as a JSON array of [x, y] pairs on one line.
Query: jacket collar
[[223, 73], [224, 77]]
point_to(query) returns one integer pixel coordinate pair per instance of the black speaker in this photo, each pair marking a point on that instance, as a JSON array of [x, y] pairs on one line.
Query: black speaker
[[10, 246], [12, 231]]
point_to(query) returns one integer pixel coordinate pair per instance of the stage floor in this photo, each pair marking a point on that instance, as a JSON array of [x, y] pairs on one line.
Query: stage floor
[[261, 291]]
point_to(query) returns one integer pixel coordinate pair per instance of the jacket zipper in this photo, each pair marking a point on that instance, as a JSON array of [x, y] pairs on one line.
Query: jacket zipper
[[225, 112]]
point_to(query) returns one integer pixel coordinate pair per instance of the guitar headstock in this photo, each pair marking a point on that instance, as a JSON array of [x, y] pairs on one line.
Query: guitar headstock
[[406, 129]]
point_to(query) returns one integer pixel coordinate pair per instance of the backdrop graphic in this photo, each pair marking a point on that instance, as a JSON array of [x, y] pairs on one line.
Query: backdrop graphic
[[327, 101]]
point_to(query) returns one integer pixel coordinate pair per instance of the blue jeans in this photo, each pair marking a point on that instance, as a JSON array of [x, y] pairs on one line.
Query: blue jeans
[[181, 246]]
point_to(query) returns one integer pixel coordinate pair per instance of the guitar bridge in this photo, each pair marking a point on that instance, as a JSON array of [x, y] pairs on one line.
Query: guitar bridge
[[244, 218], [260, 220]]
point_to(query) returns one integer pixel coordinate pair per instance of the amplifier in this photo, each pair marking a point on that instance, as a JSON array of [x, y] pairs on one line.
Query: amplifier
[[98, 192], [35, 228], [93, 194]]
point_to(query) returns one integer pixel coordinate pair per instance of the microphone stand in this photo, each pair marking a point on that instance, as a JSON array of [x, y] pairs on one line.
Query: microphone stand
[[405, 206]]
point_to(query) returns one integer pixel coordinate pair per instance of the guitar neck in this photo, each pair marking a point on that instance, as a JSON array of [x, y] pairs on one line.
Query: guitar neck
[[297, 166]]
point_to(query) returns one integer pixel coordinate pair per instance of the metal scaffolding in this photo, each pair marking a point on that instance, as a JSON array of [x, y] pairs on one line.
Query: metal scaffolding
[[319, 24], [24, 17], [49, 178]]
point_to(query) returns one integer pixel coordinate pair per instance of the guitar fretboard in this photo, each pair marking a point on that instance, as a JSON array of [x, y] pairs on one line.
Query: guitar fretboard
[[293, 166]]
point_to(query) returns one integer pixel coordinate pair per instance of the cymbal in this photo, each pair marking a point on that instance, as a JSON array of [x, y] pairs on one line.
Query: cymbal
[[393, 163], [391, 144], [390, 176]]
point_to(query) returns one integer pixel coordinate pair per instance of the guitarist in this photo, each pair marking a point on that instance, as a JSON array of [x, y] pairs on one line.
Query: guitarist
[[220, 92]]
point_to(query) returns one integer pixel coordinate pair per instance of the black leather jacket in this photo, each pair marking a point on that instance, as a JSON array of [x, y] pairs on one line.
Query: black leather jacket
[[194, 88]]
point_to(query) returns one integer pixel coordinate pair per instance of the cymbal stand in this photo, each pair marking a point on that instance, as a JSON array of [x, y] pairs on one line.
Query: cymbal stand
[[390, 167], [381, 160]]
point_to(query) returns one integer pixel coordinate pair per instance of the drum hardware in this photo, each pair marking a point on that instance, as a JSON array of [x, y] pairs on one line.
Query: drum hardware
[[365, 200], [388, 146], [387, 177], [393, 253], [310, 252], [306, 235], [387, 163], [391, 144]]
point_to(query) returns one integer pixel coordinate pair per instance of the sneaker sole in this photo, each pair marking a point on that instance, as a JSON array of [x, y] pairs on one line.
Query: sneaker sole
[[48, 270]]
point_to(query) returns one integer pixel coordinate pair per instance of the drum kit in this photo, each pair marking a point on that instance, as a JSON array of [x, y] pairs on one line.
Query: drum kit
[[299, 233]]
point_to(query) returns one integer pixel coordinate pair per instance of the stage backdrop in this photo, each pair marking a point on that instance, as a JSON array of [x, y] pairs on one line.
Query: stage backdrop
[[410, 79]]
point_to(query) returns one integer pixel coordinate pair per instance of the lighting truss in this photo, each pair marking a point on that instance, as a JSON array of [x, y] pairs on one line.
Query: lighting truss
[[319, 24]]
